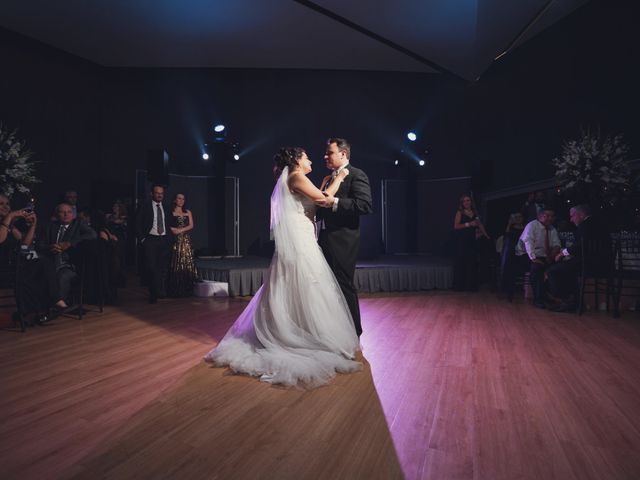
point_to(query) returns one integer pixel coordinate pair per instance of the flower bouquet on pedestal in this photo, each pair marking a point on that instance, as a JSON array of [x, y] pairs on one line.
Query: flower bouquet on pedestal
[[17, 169], [594, 170]]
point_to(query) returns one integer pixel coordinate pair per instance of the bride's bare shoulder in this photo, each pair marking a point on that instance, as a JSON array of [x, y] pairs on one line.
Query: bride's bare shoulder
[[294, 180]]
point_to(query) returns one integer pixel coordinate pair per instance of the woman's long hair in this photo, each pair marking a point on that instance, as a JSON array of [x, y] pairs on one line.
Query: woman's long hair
[[174, 205], [473, 205]]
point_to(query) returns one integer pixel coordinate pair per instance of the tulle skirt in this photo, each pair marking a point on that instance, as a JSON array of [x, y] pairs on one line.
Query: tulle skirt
[[297, 329]]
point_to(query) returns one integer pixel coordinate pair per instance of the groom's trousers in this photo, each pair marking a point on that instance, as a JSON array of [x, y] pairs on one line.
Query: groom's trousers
[[341, 254]]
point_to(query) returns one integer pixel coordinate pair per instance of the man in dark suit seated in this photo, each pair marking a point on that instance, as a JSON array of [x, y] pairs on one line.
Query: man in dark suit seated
[[151, 226], [563, 275], [56, 247]]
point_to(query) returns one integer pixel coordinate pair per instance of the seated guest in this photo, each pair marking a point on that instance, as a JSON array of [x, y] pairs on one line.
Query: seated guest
[[510, 264], [540, 242], [117, 220], [17, 230], [55, 248], [84, 216], [117, 225], [563, 275], [10, 235]]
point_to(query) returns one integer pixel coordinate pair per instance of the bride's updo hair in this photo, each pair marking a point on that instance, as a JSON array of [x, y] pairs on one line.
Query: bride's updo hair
[[286, 157]]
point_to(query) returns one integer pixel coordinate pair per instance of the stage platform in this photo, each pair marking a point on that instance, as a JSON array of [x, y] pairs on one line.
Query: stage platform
[[393, 273]]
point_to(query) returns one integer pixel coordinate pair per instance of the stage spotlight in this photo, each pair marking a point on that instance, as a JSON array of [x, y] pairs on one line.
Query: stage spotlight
[[205, 156], [421, 163], [412, 136], [236, 157], [218, 128], [396, 162]]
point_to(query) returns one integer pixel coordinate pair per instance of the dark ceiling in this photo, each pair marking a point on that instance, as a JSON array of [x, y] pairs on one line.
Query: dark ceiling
[[461, 37]]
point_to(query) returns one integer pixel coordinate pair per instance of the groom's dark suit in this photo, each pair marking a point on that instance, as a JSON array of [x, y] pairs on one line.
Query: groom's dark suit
[[340, 234]]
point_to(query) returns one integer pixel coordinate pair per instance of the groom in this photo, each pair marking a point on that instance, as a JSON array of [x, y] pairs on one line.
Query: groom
[[340, 221]]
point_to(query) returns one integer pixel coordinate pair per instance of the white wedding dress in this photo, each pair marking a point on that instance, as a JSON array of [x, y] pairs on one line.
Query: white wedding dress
[[297, 329]]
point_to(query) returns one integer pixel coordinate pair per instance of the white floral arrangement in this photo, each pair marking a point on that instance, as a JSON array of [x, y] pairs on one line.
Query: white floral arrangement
[[17, 169], [593, 166]]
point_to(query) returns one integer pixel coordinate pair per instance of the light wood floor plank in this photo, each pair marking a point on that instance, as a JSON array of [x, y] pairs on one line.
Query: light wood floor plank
[[454, 386]]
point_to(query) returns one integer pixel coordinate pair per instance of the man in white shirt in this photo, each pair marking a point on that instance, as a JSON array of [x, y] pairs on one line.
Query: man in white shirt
[[152, 226], [540, 242]]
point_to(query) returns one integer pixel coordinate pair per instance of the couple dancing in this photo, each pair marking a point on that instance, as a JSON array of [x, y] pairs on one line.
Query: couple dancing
[[302, 325]]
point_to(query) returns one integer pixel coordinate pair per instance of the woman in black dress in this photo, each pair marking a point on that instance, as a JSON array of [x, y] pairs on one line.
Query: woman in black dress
[[468, 227]]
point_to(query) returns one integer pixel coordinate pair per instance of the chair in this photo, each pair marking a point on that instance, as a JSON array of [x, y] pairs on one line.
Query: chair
[[10, 281], [627, 269], [88, 260], [514, 270], [596, 263]]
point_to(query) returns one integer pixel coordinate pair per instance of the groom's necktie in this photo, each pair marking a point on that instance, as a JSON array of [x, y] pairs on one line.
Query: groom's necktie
[[334, 174]]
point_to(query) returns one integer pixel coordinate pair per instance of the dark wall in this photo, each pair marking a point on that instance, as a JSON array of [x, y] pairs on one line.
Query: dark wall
[[579, 73], [91, 126], [264, 110], [54, 100]]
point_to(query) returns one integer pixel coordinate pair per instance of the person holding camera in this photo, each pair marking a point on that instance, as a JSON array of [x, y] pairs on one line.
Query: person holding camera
[[10, 234], [17, 232]]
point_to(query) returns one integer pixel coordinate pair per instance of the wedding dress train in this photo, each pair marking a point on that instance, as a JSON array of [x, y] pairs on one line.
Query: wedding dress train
[[297, 329]]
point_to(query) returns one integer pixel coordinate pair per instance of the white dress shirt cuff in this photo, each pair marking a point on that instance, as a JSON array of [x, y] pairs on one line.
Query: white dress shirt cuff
[[335, 205]]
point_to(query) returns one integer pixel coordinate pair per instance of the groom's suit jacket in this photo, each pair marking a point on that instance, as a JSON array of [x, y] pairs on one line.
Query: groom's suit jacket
[[354, 197], [340, 234]]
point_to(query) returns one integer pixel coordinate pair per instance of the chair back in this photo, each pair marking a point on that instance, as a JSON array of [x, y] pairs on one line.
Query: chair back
[[627, 255], [597, 257]]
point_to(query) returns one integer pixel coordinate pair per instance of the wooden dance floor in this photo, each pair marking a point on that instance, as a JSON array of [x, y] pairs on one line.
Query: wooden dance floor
[[455, 386]]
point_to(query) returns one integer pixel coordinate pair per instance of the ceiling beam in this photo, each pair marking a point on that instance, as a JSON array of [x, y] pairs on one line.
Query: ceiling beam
[[379, 38], [525, 29]]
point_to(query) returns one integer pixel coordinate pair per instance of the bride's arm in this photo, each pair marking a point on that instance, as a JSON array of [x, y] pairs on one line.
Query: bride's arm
[[332, 189], [324, 181], [301, 184]]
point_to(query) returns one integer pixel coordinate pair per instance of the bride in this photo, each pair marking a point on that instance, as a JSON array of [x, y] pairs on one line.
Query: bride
[[297, 329]]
